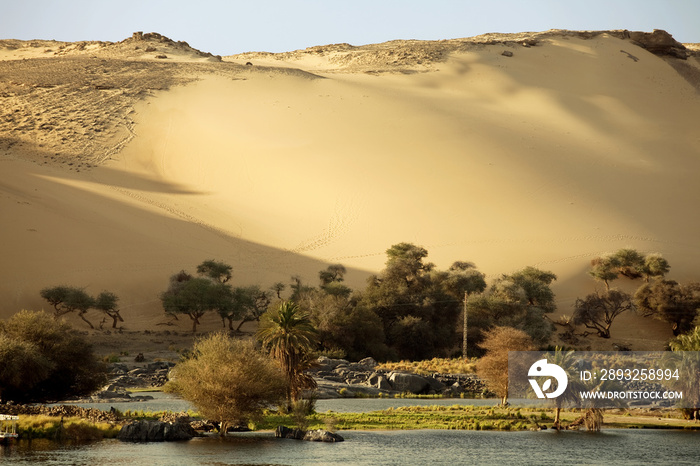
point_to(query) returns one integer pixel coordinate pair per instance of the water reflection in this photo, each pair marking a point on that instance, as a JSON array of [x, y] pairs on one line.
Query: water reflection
[[624, 447]]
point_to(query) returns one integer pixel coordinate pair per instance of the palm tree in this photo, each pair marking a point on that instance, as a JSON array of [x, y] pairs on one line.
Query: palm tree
[[686, 348], [567, 361], [289, 336]]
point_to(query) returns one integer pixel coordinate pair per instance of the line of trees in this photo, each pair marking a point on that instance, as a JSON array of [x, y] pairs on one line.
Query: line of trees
[[667, 300], [410, 310], [68, 299]]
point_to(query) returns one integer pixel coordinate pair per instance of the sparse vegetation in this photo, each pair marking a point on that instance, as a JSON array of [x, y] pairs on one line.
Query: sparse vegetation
[[431, 366]]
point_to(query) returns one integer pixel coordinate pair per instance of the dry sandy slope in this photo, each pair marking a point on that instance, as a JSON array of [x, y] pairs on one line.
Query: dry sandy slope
[[566, 150]]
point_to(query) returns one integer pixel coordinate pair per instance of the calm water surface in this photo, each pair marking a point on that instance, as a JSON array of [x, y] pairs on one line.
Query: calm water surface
[[620, 447], [612, 446]]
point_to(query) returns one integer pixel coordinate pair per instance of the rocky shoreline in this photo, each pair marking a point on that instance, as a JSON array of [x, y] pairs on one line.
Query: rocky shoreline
[[339, 378]]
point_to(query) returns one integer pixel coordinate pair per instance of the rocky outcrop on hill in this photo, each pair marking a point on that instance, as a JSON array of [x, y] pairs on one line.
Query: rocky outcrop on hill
[[340, 378], [659, 42], [409, 55]]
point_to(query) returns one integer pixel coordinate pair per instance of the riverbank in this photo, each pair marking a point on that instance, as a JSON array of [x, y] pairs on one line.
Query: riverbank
[[88, 426]]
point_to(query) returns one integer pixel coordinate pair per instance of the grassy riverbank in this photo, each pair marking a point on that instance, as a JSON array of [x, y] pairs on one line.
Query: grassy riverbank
[[460, 417], [456, 417], [64, 428]]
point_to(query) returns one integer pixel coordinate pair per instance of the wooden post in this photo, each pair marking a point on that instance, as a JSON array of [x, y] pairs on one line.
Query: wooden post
[[464, 339]]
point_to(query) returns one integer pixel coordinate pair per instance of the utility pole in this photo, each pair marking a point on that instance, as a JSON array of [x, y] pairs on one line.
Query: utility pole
[[464, 340]]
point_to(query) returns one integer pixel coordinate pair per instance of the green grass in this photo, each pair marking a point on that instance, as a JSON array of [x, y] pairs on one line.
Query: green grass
[[411, 417]]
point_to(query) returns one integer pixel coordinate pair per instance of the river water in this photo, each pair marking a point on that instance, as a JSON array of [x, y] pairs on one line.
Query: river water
[[611, 446]]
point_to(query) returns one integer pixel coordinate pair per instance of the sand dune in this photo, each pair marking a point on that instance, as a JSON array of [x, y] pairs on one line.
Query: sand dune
[[576, 145]]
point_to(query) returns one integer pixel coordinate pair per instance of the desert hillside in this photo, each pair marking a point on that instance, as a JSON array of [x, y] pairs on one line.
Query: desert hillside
[[123, 163]]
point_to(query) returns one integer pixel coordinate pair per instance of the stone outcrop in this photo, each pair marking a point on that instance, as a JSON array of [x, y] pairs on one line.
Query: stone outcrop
[[407, 382], [319, 435], [341, 378], [155, 431], [659, 42]]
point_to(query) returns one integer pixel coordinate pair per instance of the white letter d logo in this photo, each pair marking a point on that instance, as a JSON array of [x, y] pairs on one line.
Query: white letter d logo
[[543, 369]]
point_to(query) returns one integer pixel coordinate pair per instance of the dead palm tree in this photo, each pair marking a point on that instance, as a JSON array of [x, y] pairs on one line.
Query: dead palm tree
[[289, 336]]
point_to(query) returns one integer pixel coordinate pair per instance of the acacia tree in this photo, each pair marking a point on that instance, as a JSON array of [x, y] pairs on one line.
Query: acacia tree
[[629, 263], [195, 297], [671, 302], [247, 304], [217, 271], [493, 367], [287, 333], [278, 288], [228, 381], [533, 286], [67, 299], [598, 311], [107, 303]]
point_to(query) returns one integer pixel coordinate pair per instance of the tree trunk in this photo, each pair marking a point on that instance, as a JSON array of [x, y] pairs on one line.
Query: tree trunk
[[195, 322], [240, 324], [82, 316], [117, 318], [557, 411]]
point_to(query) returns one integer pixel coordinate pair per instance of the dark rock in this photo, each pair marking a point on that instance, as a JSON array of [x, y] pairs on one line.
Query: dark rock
[[405, 382], [383, 383], [155, 431], [139, 358], [321, 435], [435, 384], [659, 42], [286, 432], [507, 53], [373, 379], [119, 368]]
